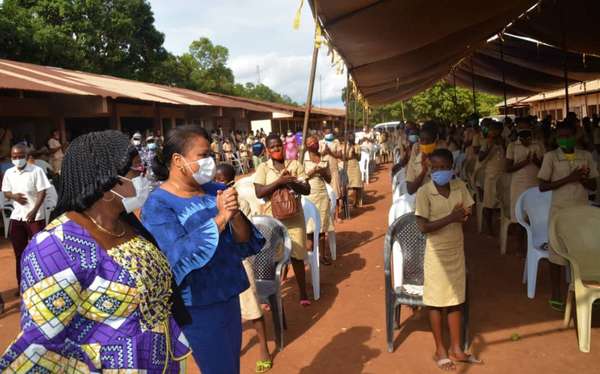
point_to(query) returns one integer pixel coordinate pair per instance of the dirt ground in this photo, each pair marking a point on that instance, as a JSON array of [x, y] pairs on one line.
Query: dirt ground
[[344, 331]]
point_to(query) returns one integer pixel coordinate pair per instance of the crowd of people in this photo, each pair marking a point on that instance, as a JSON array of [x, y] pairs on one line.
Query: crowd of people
[[145, 258]]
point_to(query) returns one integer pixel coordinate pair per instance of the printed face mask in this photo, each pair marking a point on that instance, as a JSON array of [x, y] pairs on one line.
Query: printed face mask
[[427, 148]]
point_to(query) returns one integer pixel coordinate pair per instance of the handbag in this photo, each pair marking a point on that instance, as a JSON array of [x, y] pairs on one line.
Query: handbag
[[284, 204]]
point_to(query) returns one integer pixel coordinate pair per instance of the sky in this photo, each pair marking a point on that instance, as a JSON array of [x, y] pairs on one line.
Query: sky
[[258, 33]]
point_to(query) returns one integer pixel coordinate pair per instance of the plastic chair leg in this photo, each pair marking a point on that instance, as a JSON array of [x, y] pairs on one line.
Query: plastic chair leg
[[525, 271], [532, 269], [389, 319], [315, 277], [397, 314], [332, 244], [277, 320], [568, 309], [479, 217], [584, 322]]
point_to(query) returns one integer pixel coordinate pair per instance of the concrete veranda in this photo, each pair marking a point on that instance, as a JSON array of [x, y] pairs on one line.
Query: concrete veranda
[[344, 332]]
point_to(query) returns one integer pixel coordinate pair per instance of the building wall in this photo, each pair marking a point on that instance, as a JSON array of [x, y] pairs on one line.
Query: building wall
[[584, 106]]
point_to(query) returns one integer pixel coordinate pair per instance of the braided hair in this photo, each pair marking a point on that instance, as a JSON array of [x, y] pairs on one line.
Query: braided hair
[[91, 167]]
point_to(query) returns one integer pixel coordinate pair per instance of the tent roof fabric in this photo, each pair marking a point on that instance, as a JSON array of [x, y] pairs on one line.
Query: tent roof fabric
[[28, 77], [396, 48]]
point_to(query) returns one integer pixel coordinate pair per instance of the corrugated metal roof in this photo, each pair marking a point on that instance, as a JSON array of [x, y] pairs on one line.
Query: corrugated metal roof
[[29, 77], [334, 112]]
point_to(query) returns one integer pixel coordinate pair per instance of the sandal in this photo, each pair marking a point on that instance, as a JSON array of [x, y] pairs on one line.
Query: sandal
[[469, 360], [556, 305], [305, 302], [444, 364], [263, 366]]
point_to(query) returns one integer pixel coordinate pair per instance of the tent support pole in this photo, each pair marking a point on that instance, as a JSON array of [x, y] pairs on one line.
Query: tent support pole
[[503, 77], [455, 96], [473, 87], [354, 114], [347, 119], [309, 96]]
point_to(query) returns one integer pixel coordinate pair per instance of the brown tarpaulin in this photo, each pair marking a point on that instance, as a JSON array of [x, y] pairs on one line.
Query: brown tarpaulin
[[396, 48]]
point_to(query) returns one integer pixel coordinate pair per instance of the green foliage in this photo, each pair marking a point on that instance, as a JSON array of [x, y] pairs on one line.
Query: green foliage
[[436, 103], [115, 37]]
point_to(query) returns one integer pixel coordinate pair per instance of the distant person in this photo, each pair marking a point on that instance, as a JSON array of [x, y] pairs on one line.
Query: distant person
[[258, 153], [56, 151], [291, 147], [26, 186]]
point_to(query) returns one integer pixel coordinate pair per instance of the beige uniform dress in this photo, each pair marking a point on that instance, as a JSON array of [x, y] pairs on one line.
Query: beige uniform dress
[[249, 304], [334, 165], [353, 168], [319, 197], [495, 165], [444, 264], [555, 167], [526, 177], [267, 174]]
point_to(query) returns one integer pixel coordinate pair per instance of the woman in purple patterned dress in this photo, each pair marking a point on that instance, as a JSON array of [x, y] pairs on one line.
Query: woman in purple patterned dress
[[97, 294]]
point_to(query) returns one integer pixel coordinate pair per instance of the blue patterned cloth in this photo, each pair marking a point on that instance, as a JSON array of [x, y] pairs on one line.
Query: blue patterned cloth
[[207, 265], [91, 309]]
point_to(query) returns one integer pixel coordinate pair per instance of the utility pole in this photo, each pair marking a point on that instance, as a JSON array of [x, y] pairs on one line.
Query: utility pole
[[320, 91]]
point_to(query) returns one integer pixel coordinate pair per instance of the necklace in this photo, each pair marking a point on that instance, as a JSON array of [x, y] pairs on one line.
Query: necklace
[[104, 230]]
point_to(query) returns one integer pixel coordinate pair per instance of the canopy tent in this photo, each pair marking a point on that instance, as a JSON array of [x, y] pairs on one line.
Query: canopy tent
[[397, 48], [394, 49]]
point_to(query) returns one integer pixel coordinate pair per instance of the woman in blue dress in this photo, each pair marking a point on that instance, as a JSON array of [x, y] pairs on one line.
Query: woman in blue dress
[[204, 236]]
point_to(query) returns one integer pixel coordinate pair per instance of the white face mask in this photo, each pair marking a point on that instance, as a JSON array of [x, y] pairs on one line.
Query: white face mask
[[142, 190], [19, 163], [206, 170], [136, 142]]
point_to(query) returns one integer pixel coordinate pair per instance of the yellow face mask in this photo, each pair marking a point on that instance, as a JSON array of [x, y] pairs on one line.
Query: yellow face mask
[[569, 156], [427, 148]]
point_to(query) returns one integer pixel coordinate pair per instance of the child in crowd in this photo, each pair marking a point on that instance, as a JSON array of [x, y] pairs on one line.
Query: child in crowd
[[443, 205], [569, 173], [249, 304], [492, 159]]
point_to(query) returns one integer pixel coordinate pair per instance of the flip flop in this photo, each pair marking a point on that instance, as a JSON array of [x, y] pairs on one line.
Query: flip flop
[[305, 302], [559, 306], [469, 360], [445, 362]]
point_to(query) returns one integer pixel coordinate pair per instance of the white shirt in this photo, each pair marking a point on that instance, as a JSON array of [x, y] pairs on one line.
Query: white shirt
[[29, 182], [43, 164]]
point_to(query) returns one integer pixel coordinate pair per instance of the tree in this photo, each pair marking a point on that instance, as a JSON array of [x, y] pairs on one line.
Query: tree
[[261, 92], [114, 37], [440, 102]]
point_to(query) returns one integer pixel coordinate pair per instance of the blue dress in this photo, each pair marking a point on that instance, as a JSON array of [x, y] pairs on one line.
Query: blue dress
[[208, 269]]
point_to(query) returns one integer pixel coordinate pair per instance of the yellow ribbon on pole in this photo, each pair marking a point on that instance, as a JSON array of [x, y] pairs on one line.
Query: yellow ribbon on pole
[[296, 24]]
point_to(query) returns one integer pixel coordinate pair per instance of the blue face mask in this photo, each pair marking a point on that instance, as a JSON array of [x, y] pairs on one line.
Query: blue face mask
[[442, 177], [151, 146], [413, 138], [329, 137]]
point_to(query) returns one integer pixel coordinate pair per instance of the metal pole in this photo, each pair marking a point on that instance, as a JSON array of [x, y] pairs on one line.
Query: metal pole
[[473, 84], [347, 119], [503, 77], [564, 46], [402, 110], [455, 95], [309, 96]]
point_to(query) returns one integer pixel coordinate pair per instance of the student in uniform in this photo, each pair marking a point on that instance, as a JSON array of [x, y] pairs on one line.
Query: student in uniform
[[417, 170], [443, 205], [249, 303], [278, 173], [569, 173], [492, 158]]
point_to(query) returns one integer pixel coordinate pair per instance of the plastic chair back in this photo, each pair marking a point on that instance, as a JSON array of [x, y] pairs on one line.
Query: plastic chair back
[[312, 213], [532, 210], [7, 208], [276, 236], [404, 205], [332, 199], [406, 233]]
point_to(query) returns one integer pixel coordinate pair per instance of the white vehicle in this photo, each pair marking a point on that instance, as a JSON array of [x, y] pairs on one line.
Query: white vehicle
[[387, 126]]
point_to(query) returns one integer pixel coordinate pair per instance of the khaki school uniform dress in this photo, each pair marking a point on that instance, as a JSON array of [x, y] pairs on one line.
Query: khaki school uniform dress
[[494, 164], [415, 163], [353, 168], [267, 174], [526, 177], [554, 167], [334, 166], [319, 197], [444, 264]]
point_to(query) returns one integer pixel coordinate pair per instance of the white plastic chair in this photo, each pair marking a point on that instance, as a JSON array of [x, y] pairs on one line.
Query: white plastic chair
[[311, 213], [535, 205], [331, 234], [405, 204], [365, 161], [50, 203], [7, 208]]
